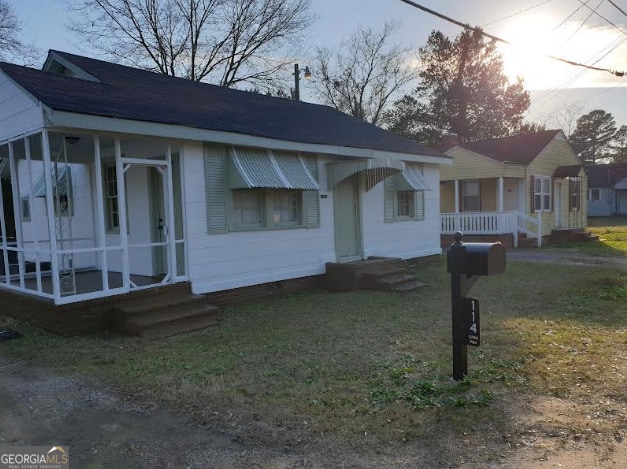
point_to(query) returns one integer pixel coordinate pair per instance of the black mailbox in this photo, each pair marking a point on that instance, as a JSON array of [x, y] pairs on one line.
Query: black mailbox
[[479, 259]]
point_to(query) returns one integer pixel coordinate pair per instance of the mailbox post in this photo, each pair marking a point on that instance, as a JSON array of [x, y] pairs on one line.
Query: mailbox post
[[466, 262]]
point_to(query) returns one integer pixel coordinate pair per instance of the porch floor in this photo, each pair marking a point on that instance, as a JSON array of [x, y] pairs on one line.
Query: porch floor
[[86, 281]]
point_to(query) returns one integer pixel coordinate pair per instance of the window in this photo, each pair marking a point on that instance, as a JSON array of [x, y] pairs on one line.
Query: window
[[247, 207], [542, 193], [405, 204], [401, 201], [594, 195], [25, 205], [286, 207], [265, 208], [574, 193], [471, 201], [111, 198]]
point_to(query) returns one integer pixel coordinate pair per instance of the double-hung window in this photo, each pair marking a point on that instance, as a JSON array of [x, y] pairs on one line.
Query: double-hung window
[[594, 195], [260, 189], [542, 193], [471, 196], [404, 195]]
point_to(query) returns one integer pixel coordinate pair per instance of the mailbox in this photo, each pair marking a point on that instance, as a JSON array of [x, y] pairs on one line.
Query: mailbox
[[479, 259], [466, 262]]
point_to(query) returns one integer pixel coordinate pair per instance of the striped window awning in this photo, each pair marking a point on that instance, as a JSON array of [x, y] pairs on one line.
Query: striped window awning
[[411, 179], [375, 171], [258, 167], [61, 182]]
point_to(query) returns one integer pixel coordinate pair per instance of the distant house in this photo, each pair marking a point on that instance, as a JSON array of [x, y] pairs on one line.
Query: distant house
[[531, 184], [116, 179], [607, 189]]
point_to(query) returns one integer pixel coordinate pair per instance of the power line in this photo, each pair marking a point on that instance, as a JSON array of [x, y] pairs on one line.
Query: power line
[[571, 15], [584, 21], [517, 13], [498, 39], [618, 8], [600, 16]]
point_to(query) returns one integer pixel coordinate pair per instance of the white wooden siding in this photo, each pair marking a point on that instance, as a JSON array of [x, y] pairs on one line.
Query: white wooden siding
[[19, 112], [404, 239], [236, 259], [605, 206]]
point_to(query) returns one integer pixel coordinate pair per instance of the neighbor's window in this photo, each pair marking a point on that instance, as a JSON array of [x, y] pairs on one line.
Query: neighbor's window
[[405, 204], [542, 193], [574, 192], [470, 196], [594, 195], [111, 198]]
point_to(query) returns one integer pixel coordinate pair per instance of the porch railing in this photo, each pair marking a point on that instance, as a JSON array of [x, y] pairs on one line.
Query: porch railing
[[478, 223]]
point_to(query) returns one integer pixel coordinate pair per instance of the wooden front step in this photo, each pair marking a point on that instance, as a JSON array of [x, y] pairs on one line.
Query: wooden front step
[[165, 313], [387, 274]]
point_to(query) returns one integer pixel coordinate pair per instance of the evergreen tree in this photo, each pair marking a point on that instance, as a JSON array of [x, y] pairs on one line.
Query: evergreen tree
[[593, 135]]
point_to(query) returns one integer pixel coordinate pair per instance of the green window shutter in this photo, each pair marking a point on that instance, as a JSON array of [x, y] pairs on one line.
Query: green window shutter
[[420, 205], [215, 187], [311, 202], [389, 199]]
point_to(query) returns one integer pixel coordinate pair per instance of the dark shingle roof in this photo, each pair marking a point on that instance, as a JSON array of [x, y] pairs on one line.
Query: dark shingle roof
[[521, 149], [605, 175], [567, 171], [129, 93]]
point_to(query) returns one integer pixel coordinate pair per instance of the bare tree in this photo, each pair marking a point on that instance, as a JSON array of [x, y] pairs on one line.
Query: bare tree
[[565, 118], [364, 74], [223, 41], [11, 46]]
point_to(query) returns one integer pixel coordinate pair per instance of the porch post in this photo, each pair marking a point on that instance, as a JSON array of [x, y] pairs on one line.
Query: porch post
[[456, 196], [3, 232], [17, 210], [500, 195], [119, 169], [100, 215], [31, 204], [52, 231], [172, 264]]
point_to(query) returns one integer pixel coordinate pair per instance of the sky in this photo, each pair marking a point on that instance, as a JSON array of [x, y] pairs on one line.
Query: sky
[[565, 28]]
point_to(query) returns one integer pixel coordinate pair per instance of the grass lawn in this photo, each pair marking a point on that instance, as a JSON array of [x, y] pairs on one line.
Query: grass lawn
[[373, 367], [612, 232]]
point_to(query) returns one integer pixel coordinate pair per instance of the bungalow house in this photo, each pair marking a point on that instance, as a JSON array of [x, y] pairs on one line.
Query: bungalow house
[[607, 189], [531, 184], [116, 179]]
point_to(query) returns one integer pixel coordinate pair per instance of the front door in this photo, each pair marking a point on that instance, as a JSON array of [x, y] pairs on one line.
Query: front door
[[158, 223], [346, 205]]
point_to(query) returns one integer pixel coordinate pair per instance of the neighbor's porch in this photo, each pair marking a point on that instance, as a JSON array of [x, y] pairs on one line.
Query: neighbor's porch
[[84, 216]]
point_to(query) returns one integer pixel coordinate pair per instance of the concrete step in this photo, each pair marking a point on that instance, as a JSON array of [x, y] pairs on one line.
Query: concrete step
[[169, 329], [396, 279]]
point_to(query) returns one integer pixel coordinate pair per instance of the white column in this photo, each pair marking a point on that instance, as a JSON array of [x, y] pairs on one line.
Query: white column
[[500, 195], [119, 167], [31, 204], [3, 233], [170, 211], [100, 215], [456, 196], [17, 211], [52, 231]]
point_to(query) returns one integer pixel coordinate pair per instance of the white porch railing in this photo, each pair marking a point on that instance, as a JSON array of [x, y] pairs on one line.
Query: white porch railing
[[478, 223]]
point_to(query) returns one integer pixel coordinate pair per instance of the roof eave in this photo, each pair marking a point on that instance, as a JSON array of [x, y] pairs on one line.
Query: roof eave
[[63, 119]]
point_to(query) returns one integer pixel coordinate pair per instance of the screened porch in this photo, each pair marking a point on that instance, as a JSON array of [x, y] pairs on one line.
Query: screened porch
[[84, 216]]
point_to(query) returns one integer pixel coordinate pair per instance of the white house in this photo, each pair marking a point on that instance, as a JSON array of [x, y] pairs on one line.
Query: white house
[[116, 179]]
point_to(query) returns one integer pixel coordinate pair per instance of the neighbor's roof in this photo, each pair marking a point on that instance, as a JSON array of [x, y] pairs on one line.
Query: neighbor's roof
[[130, 93], [520, 149], [606, 175]]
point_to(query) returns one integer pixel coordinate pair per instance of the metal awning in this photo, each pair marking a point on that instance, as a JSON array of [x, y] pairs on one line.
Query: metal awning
[[375, 170], [257, 167], [61, 182], [411, 179], [570, 171]]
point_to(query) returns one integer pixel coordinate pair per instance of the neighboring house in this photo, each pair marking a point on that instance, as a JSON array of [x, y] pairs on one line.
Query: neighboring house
[[116, 179], [522, 184], [607, 189]]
